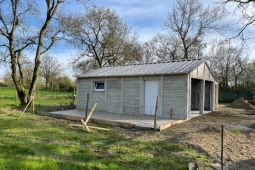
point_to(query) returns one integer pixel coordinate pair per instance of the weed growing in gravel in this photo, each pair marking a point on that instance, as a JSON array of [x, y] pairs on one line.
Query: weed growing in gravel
[[237, 131]]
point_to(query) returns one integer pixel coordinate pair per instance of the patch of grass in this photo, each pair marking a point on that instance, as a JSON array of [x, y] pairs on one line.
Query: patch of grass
[[9, 98], [33, 142], [237, 131]]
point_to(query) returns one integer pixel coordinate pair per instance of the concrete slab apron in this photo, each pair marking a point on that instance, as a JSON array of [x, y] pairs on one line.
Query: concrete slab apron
[[142, 121]]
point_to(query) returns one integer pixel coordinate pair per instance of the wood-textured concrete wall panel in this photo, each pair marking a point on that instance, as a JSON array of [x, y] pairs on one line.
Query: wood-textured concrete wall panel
[[114, 94], [174, 96], [201, 72], [188, 96], [99, 98], [84, 88], [131, 95]]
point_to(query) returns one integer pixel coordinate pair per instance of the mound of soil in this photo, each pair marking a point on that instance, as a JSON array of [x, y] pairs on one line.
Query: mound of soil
[[251, 102], [203, 133], [241, 104]]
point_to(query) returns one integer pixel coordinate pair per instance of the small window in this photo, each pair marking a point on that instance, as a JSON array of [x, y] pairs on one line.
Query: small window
[[99, 86]]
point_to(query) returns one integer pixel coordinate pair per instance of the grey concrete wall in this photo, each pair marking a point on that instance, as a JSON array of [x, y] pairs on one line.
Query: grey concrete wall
[[83, 88], [98, 96], [131, 95], [114, 94], [174, 96], [202, 72]]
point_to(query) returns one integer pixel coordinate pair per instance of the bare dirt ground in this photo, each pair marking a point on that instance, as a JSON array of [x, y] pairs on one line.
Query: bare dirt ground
[[6, 111], [203, 133]]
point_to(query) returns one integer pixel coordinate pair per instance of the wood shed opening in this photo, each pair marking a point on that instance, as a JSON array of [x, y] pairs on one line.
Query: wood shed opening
[[195, 93], [208, 95]]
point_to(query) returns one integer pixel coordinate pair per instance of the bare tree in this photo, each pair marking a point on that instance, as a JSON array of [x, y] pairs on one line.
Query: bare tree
[[246, 9], [8, 78], [147, 51], [166, 47], [50, 69], [102, 39], [27, 67], [18, 35], [249, 79], [228, 62], [190, 22]]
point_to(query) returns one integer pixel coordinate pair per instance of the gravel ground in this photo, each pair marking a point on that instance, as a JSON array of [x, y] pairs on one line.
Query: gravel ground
[[203, 133]]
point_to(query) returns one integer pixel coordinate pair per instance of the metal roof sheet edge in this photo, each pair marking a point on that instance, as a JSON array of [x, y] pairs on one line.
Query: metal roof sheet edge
[[97, 71], [157, 62], [132, 75]]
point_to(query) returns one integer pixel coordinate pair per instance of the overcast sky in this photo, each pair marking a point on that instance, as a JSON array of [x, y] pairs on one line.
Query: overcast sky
[[144, 16]]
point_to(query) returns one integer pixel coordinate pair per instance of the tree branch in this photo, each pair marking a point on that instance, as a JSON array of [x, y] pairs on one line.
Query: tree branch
[[53, 39]]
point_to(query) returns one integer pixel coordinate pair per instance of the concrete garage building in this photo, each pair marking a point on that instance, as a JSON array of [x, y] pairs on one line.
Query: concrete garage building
[[181, 86]]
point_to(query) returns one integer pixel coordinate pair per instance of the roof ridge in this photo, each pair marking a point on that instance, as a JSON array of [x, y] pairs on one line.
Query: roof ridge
[[157, 62]]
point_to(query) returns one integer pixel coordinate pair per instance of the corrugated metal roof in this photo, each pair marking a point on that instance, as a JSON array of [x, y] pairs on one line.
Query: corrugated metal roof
[[170, 67]]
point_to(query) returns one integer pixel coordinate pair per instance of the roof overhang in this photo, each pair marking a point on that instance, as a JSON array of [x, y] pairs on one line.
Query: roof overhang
[[133, 75]]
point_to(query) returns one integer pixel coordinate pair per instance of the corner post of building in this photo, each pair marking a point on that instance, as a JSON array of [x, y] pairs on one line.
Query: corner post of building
[[122, 94], [77, 92], [105, 93], [188, 97], [161, 96], [202, 97], [202, 94], [213, 96], [91, 92], [141, 95], [216, 95]]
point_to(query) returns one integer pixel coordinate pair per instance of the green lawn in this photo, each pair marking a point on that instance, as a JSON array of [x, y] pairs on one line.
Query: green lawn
[[32, 142], [8, 98]]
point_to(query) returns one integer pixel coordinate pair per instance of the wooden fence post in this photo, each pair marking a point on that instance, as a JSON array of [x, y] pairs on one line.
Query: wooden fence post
[[57, 90], [28, 104], [222, 135], [33, 105], [87, 105], [74, 96], [87, 119]]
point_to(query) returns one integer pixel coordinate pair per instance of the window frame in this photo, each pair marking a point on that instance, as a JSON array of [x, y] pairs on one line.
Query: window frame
[[94, 85]]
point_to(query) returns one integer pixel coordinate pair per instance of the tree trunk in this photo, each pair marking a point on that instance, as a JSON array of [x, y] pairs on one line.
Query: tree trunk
[[20, 90], [22, 96]]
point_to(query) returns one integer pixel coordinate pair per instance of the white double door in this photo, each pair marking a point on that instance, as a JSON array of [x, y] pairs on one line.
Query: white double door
[[150, 96]]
